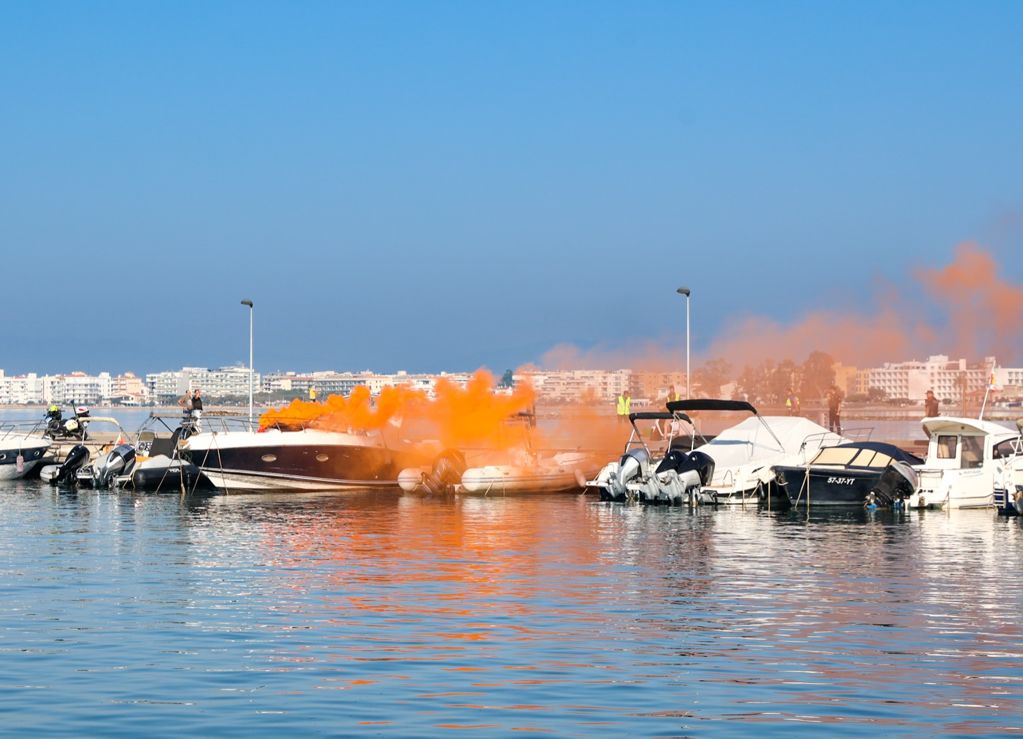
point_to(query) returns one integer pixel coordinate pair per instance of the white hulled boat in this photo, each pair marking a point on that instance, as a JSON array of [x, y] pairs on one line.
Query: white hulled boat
[[967, 460], [20, 451]]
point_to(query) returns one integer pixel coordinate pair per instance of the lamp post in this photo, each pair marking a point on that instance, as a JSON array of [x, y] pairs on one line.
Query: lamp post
[[249, 303], [684, 292]]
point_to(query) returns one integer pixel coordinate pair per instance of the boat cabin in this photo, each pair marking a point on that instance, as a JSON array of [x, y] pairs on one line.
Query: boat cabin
[[965, 461]]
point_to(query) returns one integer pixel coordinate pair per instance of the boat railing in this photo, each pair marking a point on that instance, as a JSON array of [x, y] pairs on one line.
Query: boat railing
[[830, 438], [27, 427]]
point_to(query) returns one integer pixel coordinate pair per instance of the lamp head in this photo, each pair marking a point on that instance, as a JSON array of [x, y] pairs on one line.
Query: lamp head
[[683, 291], [247, 302]]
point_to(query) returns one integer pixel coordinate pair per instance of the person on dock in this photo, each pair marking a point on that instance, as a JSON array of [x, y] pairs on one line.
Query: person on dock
[[835, 397], [930, 405], [624, 407], [792, 403], [312, 394]]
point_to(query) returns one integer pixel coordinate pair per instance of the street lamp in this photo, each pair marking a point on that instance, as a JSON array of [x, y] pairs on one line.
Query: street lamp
[[684, 291], [249, 303]]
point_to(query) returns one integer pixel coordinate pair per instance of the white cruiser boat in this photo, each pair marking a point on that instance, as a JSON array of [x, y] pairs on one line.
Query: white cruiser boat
[[561, 472], [651, 474], [745, 454], [20, 451], [968, 459]]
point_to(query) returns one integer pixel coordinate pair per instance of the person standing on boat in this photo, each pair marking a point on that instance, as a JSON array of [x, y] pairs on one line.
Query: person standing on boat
[[185, 401], [624, 407], [835, 397], [196, 408], [930, 405], [312, 394], [792, 403]]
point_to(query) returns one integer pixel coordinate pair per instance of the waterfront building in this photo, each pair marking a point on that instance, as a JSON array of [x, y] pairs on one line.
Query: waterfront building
[[576, 386], [222, 382], [947, 378]]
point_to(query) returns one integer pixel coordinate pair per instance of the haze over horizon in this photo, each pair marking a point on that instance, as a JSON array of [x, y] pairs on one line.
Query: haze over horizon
[[445, 186]]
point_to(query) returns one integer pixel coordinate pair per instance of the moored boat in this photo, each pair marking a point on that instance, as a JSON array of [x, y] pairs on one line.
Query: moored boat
[[857, 473], [744, 454], [560, 472], [967, 460], [305, 459], [21, 451]]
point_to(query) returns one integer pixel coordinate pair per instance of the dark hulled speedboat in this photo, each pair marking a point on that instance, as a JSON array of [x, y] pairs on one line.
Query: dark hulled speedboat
[[858, 473], [306, 459]]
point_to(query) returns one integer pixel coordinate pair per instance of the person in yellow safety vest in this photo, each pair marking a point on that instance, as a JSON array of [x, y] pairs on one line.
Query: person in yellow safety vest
[[312, 394], [673, 395], [624, 407], [792, 403]]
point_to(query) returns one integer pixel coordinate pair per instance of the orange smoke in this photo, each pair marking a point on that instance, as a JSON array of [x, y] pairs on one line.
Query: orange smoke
[[986, 311], [459, 417], [965, 309]]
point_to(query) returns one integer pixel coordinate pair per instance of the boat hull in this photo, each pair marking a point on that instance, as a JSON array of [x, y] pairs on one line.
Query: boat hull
[[823, 487], [31, 456], [295, 461]]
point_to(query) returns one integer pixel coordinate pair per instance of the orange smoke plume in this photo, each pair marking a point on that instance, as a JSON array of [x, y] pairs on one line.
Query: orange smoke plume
[[460, 417], [971, 312], [986, 311]]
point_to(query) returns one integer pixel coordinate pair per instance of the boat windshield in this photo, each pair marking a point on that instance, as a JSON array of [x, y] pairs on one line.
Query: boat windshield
[[835, 455], [870, 458]]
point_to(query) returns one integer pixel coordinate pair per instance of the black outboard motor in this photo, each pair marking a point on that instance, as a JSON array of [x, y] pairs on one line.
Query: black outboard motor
[[681, 461], [76, 458], [897, 482], [118, 462], [446, 472]]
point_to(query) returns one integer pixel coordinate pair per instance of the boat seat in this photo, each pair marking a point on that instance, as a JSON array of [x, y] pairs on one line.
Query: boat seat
[[163, 446]]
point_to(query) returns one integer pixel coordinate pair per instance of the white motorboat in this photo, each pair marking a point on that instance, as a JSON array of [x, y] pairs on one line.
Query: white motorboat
[[745, 454], [668, 471], [21, 451], [561, 472], [968, 459]]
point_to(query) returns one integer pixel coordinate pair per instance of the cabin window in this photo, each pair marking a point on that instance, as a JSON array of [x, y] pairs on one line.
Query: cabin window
[[947, 447], [1007, 448], [973, 452]]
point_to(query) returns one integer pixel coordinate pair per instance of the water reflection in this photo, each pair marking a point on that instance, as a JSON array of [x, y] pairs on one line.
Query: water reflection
[[407, 615]]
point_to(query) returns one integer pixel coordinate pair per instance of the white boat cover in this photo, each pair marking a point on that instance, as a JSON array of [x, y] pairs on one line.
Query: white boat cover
[[747, 446]]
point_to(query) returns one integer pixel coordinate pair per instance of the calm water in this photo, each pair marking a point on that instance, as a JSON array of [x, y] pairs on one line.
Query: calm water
[[384, 614]]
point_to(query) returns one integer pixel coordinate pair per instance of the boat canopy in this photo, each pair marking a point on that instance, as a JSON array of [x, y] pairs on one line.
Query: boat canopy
[[967, 426], [710, 404], [659, 416]]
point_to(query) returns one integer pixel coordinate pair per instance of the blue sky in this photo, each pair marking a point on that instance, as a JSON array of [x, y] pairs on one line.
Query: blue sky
[[432, 185]]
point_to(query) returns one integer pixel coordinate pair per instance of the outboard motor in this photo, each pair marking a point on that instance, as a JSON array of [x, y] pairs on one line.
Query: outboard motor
[[632, 467], [897, 483], [76, 458], [446, 472], [681, 473], [118, 462]]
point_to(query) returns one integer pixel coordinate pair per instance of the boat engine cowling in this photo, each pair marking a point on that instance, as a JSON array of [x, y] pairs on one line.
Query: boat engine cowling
[[76, 458], [897, 483], [117, 462], [446, 472], [633, 464], [682, 461]]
